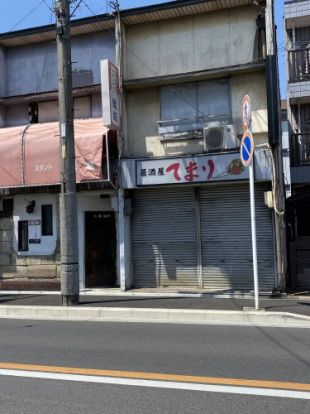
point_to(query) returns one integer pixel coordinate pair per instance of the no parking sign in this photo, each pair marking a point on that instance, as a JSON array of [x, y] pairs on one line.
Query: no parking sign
[[247, 148]]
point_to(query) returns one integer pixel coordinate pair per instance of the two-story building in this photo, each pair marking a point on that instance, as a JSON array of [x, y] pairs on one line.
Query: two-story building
[[297, 32], [186, 67], [30, 157], [181, 215]]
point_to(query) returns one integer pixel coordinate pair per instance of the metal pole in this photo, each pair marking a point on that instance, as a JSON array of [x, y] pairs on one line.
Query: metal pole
[[67, 197], [253, 228]]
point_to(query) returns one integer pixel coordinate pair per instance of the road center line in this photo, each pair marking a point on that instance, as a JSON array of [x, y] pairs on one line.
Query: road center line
[[267, 392], [157, 376], [151, 376]]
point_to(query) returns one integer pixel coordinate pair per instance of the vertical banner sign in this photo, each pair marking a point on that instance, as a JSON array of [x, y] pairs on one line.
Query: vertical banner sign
[[246, 156], [110, 95]]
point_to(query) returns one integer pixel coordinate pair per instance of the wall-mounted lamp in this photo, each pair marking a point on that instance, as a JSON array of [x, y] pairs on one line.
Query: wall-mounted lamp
[[30, 206]]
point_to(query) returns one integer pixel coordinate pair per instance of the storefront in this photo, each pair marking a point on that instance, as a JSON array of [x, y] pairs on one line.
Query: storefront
[[29, 211], [190, 224]]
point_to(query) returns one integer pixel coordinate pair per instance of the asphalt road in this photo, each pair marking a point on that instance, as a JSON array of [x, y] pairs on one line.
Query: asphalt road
[[246, 353]]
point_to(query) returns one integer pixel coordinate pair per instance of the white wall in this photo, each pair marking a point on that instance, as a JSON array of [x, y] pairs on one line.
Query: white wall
[[48, 243]]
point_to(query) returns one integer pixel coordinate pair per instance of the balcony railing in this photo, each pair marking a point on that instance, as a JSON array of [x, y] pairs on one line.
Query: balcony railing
[[299, 64], [300, 149]]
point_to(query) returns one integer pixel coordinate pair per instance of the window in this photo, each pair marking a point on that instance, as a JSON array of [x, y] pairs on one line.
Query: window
[[23, 235], [47, 220], [33, 110], [194, 100]]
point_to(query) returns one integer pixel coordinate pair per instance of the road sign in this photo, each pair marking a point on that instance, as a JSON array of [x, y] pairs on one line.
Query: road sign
[[246, 112], [247, 148]]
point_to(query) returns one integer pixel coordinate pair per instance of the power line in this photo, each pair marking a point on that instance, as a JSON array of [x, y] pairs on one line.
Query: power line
[[27, 15]]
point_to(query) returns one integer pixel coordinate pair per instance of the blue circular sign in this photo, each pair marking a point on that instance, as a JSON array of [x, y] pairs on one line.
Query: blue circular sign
[[246, 148]]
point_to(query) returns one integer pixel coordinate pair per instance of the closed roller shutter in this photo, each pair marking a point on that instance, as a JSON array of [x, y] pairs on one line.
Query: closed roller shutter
[[226, 238], [164, 238]]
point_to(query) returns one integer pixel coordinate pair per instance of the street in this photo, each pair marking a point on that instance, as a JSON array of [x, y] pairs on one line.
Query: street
[[152, 368]]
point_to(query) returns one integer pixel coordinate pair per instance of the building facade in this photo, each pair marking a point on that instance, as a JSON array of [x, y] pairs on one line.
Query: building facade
[[178, 213], [297, 31], [186, 68], [30, 162]]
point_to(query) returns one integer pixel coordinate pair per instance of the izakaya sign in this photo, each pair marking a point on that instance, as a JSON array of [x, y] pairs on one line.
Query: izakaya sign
[[225, 167]]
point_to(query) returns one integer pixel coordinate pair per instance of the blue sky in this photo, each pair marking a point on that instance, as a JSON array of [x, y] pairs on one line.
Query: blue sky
[[21, 14]]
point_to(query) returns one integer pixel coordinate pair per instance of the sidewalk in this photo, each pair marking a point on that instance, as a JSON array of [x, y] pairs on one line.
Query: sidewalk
[[158, 308]]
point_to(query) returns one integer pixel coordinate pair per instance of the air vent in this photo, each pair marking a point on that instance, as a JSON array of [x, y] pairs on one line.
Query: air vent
[[82, 78]]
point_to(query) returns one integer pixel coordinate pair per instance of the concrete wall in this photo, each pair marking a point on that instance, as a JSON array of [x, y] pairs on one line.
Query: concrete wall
[[33, 68], [40, 263], [47, 245], [191, 43], [143, 112]]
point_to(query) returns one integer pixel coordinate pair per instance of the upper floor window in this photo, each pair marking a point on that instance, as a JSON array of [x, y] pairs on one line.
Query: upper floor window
[[196, 100]]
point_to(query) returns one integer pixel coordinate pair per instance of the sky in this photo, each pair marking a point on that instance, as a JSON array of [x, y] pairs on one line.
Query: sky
[[22, 14]]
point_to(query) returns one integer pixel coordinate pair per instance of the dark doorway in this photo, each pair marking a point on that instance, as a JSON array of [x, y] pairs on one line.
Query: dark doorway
[[100, 249]]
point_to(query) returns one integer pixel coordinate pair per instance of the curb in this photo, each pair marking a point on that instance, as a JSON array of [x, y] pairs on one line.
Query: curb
[[101, 314], [173, 294]]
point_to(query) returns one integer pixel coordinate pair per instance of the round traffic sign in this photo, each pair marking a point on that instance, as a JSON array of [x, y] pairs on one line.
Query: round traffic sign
[[246, 148], [246, 112]]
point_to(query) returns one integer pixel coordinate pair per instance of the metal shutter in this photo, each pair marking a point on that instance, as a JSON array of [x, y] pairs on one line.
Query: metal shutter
[[164, 238], [226, 238]]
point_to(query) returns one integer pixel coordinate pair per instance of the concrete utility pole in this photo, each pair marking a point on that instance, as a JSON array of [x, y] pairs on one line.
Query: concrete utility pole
[[67, 198]]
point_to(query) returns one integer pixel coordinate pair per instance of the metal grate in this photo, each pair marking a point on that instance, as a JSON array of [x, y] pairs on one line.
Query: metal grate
[[300, 149]]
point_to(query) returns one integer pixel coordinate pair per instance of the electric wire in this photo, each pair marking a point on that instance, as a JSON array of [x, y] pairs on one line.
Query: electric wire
[[27, 15]]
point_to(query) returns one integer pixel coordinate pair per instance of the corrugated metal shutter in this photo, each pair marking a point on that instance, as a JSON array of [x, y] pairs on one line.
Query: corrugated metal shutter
[[164, 238], [226, 238]]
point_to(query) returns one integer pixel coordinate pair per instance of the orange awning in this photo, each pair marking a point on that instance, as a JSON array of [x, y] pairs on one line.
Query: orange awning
[[30, 155]]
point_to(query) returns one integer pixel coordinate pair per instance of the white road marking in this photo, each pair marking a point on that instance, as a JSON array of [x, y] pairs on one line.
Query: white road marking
[[265, 392]]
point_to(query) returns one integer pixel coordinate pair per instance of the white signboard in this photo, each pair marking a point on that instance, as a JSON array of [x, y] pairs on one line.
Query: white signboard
[[110, 95], [225, 167]]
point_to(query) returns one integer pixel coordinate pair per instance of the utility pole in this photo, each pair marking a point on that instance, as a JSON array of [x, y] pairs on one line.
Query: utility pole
[[275, 141], [67, 198], [124, 282]]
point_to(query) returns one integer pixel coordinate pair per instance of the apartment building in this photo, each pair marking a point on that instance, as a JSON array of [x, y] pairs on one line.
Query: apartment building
[[297, 32]]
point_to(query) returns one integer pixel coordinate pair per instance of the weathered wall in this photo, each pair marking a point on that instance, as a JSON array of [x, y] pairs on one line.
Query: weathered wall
[[33, 68], [191, 43], [143, 112], [2, 71], [40, 265]]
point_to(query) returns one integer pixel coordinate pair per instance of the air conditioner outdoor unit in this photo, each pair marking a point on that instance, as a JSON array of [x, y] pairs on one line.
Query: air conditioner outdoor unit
[[218, 137]]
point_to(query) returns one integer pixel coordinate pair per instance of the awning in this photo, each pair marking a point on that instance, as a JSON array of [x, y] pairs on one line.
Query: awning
[[30, 155]]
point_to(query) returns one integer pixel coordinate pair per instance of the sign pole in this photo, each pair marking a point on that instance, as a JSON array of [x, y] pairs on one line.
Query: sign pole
[[246, 156], [253, 228]]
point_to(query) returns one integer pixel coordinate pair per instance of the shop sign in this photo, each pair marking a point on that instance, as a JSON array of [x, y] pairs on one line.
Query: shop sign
[[224, 167], [110, 95]]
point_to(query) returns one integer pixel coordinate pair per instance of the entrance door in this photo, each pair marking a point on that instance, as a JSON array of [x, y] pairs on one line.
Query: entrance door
[[100, 249]]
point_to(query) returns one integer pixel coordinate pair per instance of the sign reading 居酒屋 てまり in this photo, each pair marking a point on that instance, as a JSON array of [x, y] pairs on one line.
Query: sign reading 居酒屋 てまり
[[226, 167]]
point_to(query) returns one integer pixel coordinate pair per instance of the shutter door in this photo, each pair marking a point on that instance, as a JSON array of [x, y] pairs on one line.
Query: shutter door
[[164, 238], [226, 238]]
